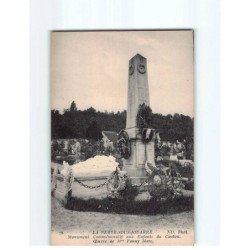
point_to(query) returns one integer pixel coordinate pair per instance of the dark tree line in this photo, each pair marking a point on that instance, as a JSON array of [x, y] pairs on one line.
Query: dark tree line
[[89, 123]]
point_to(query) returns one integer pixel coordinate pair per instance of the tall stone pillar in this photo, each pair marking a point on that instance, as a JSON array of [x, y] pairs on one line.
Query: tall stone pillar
[[138, 93]]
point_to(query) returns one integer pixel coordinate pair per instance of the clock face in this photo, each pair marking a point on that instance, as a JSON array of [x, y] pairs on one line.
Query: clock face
[[131, 69], [141, 68]]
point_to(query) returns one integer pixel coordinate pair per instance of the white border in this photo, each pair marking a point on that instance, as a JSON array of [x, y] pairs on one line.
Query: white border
[[203, 16]]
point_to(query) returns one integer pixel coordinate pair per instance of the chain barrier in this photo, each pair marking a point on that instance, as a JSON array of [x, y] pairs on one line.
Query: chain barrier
[[179, 178], [143, 183], [91, 187]]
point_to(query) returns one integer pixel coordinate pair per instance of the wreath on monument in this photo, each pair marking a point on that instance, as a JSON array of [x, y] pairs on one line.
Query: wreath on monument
[[123, 144], [144, 122]]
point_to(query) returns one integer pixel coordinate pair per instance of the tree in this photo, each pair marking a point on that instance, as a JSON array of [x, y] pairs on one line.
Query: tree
[[73, 107], [89, 123], [55, 121], [94, 131]]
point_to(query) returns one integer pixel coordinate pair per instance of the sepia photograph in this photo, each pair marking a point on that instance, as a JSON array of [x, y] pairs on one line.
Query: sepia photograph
[[122, 137]]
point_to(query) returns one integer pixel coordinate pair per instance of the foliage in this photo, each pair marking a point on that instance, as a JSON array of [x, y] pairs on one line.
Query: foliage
[[144, 117], [75, 123], [94, 131], [61, 150], [73, 107]]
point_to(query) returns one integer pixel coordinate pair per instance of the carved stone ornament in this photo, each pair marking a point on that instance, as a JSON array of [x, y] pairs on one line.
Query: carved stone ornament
[[131, 69], [141, 68]]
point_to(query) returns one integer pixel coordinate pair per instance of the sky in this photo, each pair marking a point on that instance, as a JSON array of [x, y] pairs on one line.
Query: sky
[[91, 68]]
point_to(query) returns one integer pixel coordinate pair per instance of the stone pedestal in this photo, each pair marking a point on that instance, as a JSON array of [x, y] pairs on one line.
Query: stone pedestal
[[138, 93], [140, 153]]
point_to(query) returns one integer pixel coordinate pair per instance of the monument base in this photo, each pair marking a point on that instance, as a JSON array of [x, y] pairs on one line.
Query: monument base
[[140, 153]]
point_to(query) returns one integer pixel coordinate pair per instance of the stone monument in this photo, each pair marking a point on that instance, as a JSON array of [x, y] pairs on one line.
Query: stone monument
[[138, 93]]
